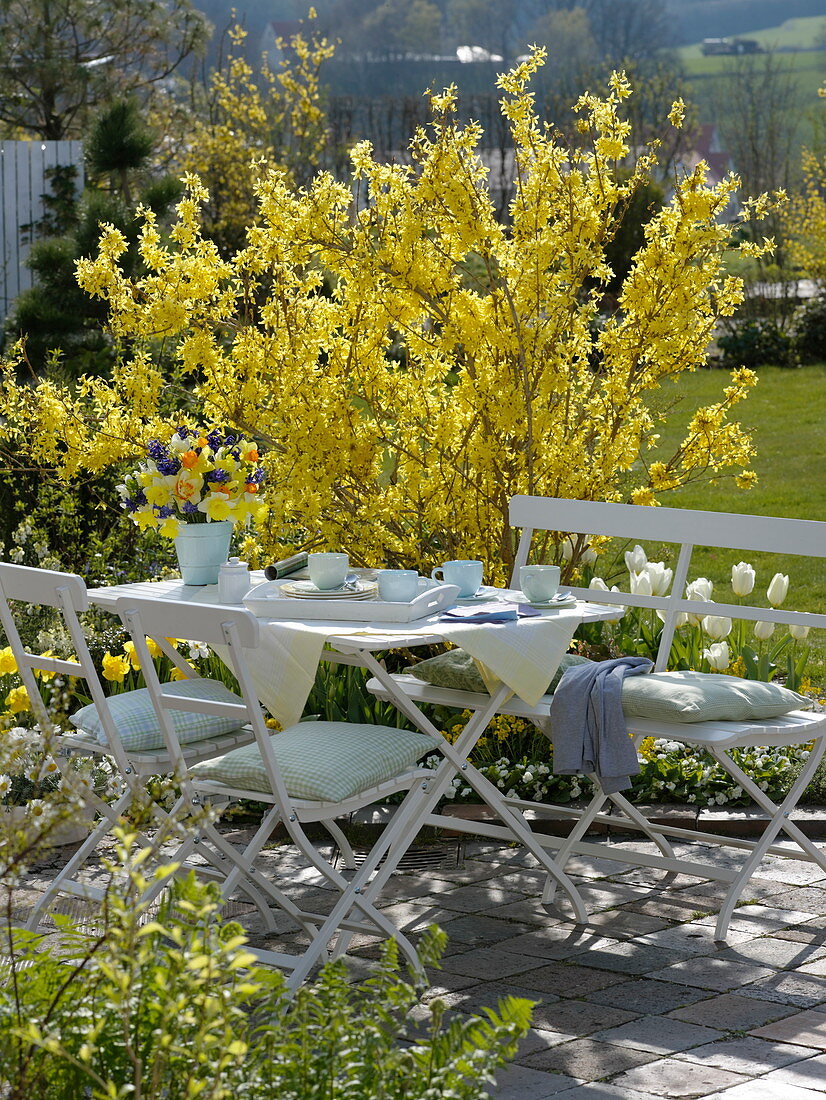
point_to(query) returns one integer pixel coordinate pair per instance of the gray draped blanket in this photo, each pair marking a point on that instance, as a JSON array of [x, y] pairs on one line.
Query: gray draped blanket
[[587, 725]]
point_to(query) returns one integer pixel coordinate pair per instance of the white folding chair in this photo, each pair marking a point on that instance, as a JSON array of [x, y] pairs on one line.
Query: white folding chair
[[310, 772], [67, 594]]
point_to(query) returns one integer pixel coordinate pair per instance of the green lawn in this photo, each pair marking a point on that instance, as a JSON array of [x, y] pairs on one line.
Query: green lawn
[[786, 414]]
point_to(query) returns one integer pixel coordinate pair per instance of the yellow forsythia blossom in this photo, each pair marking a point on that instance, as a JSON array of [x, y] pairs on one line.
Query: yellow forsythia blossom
[[409, 361]]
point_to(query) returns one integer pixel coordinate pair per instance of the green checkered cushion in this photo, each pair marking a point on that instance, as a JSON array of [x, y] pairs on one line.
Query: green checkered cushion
[[137, 724], [457, 669], [322, 761], [706, 697]]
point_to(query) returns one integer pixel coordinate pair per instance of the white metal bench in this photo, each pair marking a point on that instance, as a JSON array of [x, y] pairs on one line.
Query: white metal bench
[[688, 529]]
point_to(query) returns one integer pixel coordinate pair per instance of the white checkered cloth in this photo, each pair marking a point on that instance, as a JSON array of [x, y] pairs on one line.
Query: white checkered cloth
[[522, 654]]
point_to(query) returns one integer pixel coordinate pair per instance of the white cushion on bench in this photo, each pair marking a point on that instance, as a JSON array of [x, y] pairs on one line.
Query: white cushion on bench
[[706, 697]]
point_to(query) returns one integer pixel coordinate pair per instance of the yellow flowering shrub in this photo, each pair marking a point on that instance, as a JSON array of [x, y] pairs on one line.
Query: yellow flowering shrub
[[410, 361], [274, 116], [805, 219]]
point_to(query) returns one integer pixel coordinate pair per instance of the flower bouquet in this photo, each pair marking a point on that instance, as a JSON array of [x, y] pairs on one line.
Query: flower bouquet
[[197, 478]]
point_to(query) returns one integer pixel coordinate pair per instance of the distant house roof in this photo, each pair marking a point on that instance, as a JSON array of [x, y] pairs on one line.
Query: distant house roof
[[707, 147]]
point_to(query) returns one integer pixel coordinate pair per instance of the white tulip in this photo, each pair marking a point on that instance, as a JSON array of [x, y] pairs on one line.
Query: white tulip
[[742, 578], [778, 587], [587, 557], [799, 633], [635, 560], [717, 626], [598, 583], [660, 578], [641, 584], [700, 589], [681, 620], [763, 631], [717, 656]]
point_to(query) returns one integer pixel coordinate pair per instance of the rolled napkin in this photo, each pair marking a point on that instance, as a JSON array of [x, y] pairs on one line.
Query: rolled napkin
[[286, 567]]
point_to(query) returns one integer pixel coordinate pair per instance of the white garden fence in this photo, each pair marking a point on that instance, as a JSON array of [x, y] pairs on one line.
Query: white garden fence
[[23, 182]]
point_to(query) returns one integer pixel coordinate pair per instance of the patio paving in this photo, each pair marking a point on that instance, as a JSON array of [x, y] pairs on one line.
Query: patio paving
[[643, 1005]]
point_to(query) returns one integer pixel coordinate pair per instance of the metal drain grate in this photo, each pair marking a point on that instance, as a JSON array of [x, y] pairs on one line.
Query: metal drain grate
[[423, 858]]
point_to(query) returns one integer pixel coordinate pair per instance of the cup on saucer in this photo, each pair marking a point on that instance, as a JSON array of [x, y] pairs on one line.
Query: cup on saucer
[[464, 572], [328, 571], [539, 583], [398, 585]]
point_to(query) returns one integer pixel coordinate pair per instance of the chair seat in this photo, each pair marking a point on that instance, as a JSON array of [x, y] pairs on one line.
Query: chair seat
[[134, 715], [322, 761]]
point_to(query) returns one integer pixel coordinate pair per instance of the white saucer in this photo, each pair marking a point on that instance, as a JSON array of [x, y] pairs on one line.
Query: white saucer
[[484, 595], [567, 600], [306, 590]]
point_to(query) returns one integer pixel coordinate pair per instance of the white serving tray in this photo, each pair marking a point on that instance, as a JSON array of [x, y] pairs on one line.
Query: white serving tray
[[267, 602]]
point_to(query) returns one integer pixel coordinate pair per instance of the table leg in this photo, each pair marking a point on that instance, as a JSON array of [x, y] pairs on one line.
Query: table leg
[[456, 761]]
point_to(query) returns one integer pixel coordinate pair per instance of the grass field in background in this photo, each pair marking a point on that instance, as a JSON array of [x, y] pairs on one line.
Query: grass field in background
[[799, 33], [707, 81], [786, 413]]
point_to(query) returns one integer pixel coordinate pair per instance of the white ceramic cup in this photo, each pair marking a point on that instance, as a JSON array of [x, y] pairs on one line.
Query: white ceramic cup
[[539, 583], [398, 585], [465, 572], [328, 571]]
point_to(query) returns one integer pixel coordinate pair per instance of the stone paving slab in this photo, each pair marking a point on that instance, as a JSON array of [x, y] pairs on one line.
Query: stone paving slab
[[766, 1090], [641, 1004], [667, 1077], [746, 1054], [809, 1073], [660, 1034], [732, 1012], [589, 1059], [806, 1029]]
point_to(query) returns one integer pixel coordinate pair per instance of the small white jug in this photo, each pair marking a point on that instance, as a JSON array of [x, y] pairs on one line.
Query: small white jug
[[233, 581]]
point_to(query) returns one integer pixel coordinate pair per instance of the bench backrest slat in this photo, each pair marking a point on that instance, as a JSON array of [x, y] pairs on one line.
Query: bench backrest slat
[[684, 527], [724, 529]]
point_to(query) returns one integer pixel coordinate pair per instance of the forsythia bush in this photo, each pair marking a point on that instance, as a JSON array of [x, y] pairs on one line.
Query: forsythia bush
[[806, 216], [274, 116], [411, 362]]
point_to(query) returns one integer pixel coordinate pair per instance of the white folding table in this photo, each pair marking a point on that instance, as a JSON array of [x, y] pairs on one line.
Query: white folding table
[[357, 644]]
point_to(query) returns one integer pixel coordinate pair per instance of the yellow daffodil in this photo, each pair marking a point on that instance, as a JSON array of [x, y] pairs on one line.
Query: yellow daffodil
[[216, 506], [129, 650], [8, 664], [17, 700], [115, 667]]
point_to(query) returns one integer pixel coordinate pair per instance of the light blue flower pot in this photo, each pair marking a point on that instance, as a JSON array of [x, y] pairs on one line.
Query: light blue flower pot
[[202, 549]]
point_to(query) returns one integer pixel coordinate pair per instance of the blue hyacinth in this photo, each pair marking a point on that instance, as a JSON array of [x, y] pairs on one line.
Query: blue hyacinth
[[167, 466]]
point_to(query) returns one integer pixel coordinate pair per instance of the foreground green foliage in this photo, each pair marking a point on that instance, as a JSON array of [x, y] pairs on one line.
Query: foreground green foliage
[[174, 1007]]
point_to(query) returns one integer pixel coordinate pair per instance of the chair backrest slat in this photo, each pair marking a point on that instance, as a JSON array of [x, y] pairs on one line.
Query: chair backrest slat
[[192, 621], [67, 593], [234, 630]]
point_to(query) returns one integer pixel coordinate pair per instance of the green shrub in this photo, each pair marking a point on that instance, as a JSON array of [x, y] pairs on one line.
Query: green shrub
[[810, 331], [174, 1007], [756, 343]]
